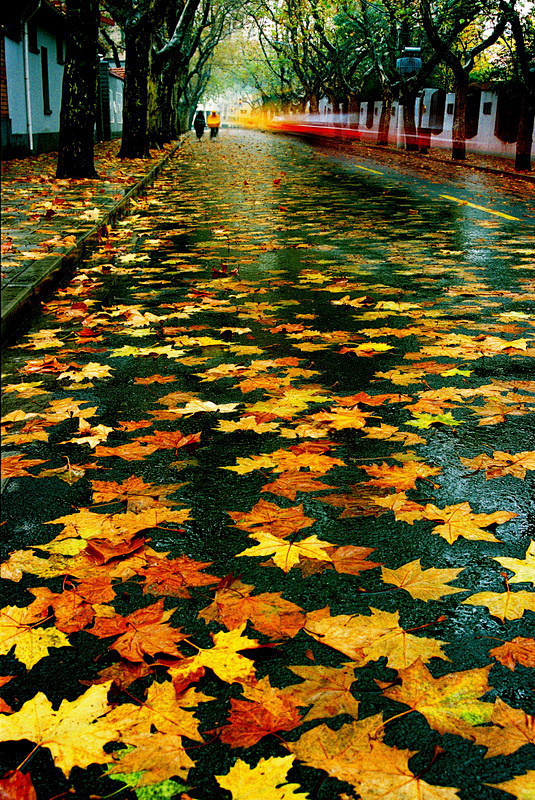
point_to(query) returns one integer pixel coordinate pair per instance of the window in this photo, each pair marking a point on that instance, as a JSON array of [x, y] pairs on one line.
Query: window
[[44, 80], [487, 108], [449, 109], [60, 57], [32, 38]]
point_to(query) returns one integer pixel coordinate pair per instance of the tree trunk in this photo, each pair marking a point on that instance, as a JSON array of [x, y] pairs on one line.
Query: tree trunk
[[137, 45], [354, 110], [384, 121], [314, 107], [160, 116], [79, 93], [458, 148], [409, 124], [525, 132]]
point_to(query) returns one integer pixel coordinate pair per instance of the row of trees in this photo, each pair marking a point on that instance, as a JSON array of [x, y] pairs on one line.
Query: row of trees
[[293, 52], [349, 50], [169, 46]]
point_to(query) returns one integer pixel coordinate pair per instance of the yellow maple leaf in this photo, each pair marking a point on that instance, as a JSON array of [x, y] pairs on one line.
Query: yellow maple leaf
[[338, 752], [368, 638], [504, 605], [75, 734], [161, 710], [91, 370], [403, 508], [287, 554], [266, 781], [524, 570], [450, 703], [522, 787], [247, 423], [422, 584], [385, 773], [17, 629], [223, 658], [157, 756], [459, 520]]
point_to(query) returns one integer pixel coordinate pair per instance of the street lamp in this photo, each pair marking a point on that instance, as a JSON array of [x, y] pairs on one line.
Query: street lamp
[[409, 64]]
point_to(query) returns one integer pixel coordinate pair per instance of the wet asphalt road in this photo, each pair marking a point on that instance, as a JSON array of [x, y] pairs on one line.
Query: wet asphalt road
[[271, 294]]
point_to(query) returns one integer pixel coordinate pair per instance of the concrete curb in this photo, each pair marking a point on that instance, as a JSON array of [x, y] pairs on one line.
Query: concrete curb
[[22, 297]]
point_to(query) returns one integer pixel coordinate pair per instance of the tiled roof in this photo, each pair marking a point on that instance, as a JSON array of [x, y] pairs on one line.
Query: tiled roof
[[118, 72]]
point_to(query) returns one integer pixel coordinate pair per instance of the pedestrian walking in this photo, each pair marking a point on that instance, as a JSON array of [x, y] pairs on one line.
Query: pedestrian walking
[[199, 123], [214, 122]]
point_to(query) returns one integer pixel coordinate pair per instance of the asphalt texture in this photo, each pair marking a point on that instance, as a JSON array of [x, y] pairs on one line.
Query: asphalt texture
[[353, 348]]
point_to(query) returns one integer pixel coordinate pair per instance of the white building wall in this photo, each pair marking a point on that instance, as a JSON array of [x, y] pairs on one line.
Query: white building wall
[[15, 86], [116, 89]]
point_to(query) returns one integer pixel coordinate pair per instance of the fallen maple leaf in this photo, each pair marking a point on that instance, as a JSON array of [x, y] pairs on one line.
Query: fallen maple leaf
[[266, 710], [224, 658], [385, 773], [459, 520], [288, 484], [520, 787], [155, 757], [266, 781], [523, 570], [270, 518], [75, 734], [173, 577], [18, 629], [17, 466], [17, 785], [518, 651], [451, 703], [515, 464], [145, 631], [368, 638], [338, 752], [422, 584], [400, 478], [504, 605], [511, 729], [326, 689], [287, 554], [268, 612]]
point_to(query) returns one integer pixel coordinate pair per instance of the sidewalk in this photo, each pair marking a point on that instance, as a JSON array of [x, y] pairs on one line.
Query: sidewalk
[[46, 221]]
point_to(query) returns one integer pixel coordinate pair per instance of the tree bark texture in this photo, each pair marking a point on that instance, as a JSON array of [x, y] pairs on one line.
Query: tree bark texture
[[458, 148], [135, 138], [409, 124], [314, 107], [384, 120], [525, 133], [79, 91]]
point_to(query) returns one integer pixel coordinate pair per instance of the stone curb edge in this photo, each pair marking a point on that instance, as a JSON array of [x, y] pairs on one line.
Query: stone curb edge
[[27, 299]]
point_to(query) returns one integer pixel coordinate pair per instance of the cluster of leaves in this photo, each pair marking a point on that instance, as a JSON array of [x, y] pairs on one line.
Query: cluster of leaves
[[304, 604]]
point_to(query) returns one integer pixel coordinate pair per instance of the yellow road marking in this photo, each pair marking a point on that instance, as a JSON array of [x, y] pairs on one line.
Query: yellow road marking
[[479, 208], [375, 172]]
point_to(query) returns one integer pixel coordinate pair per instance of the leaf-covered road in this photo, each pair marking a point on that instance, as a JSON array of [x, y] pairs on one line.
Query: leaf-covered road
[[267, 510]]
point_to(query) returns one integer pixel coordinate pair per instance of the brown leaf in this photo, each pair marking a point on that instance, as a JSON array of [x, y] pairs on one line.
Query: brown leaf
[[16, 785], [518, 651]]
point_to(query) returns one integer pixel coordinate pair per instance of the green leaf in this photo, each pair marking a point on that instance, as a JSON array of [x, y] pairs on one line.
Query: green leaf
[[426, 420]]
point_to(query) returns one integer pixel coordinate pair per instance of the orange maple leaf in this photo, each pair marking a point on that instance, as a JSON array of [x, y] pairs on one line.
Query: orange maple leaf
[[265, 711]]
